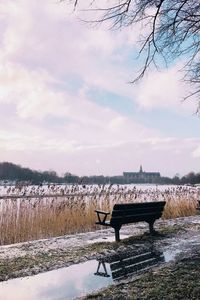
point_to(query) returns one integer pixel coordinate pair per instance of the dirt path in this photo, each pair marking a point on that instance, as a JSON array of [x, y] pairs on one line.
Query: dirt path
[[181, 237]]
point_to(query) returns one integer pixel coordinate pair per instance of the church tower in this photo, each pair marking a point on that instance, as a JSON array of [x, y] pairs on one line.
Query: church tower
[[141, 171]]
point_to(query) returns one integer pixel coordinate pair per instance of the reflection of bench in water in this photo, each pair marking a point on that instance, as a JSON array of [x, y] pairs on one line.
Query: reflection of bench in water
[[129, 264], [100, 273]]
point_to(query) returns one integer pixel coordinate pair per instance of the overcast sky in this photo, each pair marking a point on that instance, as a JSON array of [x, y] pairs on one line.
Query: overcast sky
[[66, 104]]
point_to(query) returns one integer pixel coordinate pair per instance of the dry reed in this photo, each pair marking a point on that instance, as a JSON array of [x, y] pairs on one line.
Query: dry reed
[[70, 209]]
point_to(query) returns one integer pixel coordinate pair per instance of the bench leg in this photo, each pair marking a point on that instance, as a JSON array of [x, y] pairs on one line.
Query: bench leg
[[151, 229], [117, 236]]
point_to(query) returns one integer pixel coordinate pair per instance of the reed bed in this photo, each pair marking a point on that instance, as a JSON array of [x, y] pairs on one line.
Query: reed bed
[[29, 212]]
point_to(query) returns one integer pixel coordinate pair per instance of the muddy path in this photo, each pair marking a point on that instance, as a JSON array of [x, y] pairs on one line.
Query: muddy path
[[38, 256], [171, 255]]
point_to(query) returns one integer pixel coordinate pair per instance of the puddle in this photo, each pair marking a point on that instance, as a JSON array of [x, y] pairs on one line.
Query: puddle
[[81, 279], [196, 222], [170, 254], [183, 246], [65, 283]]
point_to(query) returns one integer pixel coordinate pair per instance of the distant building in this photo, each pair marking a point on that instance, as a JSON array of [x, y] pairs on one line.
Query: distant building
[[142, 177]]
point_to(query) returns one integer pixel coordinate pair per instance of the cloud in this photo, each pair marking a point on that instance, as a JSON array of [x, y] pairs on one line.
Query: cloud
[[46, 37], [164, 89], [196, 152], [101, 156], [30, 92], [49, 64]]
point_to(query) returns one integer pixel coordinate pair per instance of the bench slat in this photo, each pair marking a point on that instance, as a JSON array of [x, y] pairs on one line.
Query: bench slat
[[116, 213], [141, 215], [135, 218], [124, 206]]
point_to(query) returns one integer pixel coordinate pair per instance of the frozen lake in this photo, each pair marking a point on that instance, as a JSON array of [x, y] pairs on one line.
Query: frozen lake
[[56, 189]]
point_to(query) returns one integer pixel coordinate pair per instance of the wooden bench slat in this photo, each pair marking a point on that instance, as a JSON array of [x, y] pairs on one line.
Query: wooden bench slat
[[136, 219], [140, 215], [116, 213], [128, 206]]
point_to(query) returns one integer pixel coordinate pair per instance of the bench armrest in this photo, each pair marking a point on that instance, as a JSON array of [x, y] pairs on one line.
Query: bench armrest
[[102, 212], [99, 212]]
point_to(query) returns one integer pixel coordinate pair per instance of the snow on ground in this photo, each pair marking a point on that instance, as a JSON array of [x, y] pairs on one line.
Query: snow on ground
[[82, 239]]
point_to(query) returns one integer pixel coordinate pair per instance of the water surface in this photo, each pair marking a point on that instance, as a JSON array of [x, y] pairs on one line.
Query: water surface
[[62, 284], [81, 279]]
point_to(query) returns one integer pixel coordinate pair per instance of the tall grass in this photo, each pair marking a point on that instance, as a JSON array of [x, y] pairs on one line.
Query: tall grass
[[28, 213]]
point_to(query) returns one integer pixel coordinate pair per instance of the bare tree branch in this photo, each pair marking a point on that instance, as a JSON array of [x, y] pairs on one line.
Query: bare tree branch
[[174, 32]]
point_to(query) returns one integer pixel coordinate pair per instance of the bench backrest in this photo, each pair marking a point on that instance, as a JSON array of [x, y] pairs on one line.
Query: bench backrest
[[136, 212]]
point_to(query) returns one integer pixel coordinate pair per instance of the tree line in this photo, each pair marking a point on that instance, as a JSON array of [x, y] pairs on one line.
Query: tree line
[[16, 173]]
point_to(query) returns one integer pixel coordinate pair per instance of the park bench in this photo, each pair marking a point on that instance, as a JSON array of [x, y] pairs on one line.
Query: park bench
[[131, 213]]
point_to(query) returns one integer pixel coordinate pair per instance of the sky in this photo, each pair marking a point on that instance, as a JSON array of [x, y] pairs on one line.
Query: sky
[[66, 103]]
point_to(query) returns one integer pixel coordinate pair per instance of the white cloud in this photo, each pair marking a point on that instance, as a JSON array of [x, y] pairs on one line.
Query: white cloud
[[196, 152], [46, 36], [44, 53], [30, 92], [164, 89]]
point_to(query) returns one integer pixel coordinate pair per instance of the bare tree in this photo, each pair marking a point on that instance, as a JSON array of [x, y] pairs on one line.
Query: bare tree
[[174, 32]]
